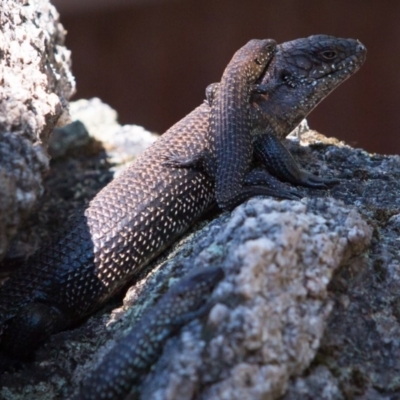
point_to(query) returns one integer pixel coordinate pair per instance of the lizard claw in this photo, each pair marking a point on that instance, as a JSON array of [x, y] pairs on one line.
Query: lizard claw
[[315, 182]]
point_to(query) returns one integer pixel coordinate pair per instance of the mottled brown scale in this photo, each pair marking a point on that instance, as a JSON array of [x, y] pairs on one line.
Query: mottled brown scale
[[151, 204], [230, 122], [125, 364]]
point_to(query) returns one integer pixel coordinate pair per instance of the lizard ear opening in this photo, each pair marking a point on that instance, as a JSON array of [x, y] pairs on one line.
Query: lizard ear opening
[[284, 75]]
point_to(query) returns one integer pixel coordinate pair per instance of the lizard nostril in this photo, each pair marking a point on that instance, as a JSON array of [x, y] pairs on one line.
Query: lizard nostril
[[361, 47]]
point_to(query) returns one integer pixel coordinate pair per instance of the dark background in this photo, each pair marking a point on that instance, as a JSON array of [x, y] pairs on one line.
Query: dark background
[[151, 60]]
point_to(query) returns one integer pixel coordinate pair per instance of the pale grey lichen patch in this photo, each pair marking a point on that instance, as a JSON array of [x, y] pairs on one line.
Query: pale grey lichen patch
[[272, 307], [36, 82]]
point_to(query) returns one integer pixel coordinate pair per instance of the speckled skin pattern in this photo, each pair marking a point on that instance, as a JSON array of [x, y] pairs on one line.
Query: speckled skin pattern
[[151, 204], [230, 123], [126, 225], [125, 364]]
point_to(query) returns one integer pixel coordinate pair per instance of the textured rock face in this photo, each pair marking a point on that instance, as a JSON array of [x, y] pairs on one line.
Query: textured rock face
[[272, 308], [233, 351], [270, 311], [36, 82], [122, 143]]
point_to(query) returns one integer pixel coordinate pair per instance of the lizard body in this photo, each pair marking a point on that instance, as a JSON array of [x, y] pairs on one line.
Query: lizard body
[[125, 364], [151, 204]]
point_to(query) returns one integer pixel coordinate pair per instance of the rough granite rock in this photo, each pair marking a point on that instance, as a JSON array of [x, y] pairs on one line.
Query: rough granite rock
[[272, 308], [356, 355], [36, 83], [321, 385], [97, 120]]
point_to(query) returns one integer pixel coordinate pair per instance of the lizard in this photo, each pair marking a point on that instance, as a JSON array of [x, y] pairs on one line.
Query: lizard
[[125, 364], [231, 145], [129, 360], [143, 211]]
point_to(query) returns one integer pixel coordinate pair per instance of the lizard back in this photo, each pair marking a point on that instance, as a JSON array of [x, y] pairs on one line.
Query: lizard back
[[128, 223]]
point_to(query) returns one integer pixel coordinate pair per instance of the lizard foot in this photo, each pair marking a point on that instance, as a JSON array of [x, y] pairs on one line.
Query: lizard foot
[[276, 158], [259, 176]]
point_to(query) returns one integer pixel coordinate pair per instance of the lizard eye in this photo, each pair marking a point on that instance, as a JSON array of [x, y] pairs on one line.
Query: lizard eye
[[258, 61], [329, 54]]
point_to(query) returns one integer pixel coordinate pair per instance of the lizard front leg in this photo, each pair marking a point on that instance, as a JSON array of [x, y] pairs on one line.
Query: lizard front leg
[[257, 181], [276, 158]]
